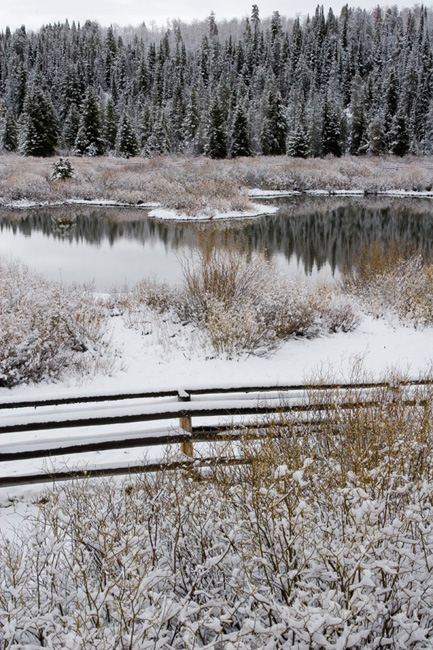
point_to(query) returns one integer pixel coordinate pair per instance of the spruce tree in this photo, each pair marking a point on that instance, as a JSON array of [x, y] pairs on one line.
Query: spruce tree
[[89, 141], [376, 139], [331, 130], [191, 126], [297, 143], [216, 138], [399, 137], [110, 126], [274, 127], [38, 125], [126, 142], [358, 130], [70, 127], [146, 127], [9, 132], [157, 142], [177, 116], [367, 64], [240, 137]]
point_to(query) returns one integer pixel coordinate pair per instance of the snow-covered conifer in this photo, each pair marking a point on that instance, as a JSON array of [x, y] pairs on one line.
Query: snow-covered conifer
[[126, 141], [89, 140], [38, 125]]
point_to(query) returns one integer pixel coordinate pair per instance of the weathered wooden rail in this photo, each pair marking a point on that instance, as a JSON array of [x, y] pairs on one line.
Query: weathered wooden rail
[[87, 423]]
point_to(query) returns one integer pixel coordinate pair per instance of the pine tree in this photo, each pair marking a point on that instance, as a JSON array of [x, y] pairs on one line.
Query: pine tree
[[216, 138], [358, 130], [126, 142], [399, 137], [297, 143], [376, 139], [9, 132], [146, 127], [89, 141], [331, 130], [177, 116], [110, 50], [366, 64], [240, 137], [38, 125], [191, 126], [157, 142], [70, 127], [110, 126], [274, 127]]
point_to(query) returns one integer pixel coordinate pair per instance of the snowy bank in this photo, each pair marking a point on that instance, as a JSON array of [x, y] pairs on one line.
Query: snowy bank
[[257, 210], [151, 363]]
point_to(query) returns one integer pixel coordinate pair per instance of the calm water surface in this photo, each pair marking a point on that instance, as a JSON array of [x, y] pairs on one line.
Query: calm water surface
[[111, 247]]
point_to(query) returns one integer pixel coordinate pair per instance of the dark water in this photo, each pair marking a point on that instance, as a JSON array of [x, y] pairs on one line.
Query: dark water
[[111, 247]]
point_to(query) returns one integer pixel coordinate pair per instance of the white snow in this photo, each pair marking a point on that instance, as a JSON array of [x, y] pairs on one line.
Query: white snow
[[258, 210], [257, 193], [23, 204], [149, 365], [407, 194], [152, 365]]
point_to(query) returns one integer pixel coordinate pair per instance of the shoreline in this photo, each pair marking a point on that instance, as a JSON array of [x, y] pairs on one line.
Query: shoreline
[[160, 213], [181, 188]]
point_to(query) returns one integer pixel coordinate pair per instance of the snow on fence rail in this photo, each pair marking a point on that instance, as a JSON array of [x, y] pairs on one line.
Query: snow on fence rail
[[82, 424]]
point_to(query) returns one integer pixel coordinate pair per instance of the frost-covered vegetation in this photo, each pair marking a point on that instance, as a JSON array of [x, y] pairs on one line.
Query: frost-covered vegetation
[[199, 186], [238, 304], [62, 169], [392, 283], [323, 539], [47, 330], [228, 305]]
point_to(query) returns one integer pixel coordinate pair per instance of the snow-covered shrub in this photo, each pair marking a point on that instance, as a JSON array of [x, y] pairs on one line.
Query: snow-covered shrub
[[149, 298], [62, 169], [225, 294], [47, 329], [393, 282], [244, 304], [322, 539], [237, 329], [203, 186]]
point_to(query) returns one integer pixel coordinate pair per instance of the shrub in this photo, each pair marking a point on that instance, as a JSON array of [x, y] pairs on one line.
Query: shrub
[[322, 538], [47, 329], [392, 281], [243, 304], [62, 169]]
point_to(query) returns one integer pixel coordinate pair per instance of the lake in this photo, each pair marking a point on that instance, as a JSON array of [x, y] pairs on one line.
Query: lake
[[116, 247]]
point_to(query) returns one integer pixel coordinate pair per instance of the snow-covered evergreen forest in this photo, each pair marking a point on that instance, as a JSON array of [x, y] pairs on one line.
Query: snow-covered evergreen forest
[[358, 83]]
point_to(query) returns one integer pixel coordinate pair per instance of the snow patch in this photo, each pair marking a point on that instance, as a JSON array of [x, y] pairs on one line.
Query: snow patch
[[270, 194], [258, 210]]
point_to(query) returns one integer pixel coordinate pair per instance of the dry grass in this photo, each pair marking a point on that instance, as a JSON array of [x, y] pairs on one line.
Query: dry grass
[[239, 304], [392, 282], [200, 186]]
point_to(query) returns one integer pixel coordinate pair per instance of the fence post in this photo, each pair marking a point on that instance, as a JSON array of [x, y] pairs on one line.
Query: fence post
[[185, 423]]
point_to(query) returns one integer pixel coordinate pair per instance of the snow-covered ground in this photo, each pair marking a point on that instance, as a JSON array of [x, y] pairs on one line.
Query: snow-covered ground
[[154, 362], [171, 360], [167, 359]]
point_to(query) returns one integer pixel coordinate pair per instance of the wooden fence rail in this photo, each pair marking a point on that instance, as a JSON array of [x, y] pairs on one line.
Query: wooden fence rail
[[105, 415]]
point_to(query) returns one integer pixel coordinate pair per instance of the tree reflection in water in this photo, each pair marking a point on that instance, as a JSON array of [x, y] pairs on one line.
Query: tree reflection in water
[[311, 231]]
